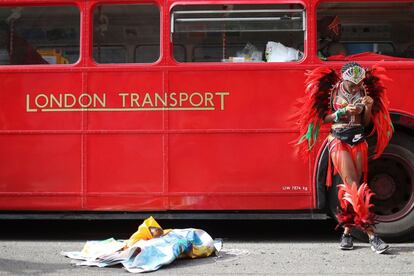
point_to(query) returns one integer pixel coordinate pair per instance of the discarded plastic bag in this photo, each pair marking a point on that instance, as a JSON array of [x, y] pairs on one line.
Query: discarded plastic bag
[[149, 248]]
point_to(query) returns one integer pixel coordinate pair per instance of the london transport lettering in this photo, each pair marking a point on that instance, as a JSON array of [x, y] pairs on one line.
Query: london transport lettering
[[125, 101]]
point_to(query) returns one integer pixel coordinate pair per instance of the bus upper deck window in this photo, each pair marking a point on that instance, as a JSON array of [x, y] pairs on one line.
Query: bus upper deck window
[[39, 35], [238, 33], [126, 33], [365, 31]]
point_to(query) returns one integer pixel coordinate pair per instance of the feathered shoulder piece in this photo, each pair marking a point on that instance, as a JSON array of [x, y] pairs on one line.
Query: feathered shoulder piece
[[381, 120], [314, 106]]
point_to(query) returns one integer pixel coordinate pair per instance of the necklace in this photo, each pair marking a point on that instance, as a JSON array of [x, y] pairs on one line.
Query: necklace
[[349, 97]]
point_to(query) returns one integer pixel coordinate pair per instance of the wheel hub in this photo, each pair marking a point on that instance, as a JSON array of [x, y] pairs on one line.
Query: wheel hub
[[383, 186], [392, 181]]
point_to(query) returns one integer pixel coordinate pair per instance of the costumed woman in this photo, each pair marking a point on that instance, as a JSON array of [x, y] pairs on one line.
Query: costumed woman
[[356, 105]]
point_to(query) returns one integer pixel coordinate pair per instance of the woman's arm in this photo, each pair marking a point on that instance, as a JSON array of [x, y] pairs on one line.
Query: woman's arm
[[367, 101], [337, 115], [329, 118]]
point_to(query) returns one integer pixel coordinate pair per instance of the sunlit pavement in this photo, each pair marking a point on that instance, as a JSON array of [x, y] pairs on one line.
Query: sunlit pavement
[[260, 248]]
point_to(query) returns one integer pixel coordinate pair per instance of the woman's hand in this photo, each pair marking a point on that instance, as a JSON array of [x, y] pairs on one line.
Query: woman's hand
[[352, 110], [367, 101]]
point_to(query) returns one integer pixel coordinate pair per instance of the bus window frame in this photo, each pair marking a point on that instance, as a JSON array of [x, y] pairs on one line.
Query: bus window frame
[[389, 63], [96, 3], [39, 3], [265, 64]]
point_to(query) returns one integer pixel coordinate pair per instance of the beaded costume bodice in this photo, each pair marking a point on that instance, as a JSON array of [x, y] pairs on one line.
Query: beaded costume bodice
[[341, 98]]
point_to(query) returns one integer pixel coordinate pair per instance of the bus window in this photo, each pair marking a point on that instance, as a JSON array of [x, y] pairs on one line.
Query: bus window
[[126, 33], [238, 33], [39, 35], [366, 31], [110, 53]]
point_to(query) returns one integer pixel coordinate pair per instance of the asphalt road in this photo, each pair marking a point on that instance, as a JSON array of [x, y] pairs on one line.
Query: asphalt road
[[250, 248]]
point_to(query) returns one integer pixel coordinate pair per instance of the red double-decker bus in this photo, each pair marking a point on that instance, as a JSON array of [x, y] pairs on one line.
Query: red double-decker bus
[[119, 108]]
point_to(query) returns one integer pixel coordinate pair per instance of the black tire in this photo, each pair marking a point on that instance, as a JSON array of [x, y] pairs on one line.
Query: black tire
[[391, 177]]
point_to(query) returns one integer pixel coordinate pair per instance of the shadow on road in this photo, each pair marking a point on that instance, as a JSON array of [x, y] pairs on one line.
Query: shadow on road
[[251, 230], [17, 267]]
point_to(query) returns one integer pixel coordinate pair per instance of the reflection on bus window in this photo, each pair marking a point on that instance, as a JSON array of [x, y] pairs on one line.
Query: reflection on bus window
[[39, 35], [126, 33], [238, 33], [366, 31]]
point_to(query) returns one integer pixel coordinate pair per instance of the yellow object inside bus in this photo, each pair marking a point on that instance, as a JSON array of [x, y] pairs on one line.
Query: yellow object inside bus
[[52, 56]]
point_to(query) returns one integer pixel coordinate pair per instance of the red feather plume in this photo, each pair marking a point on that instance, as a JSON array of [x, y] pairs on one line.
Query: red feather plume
[[359, 199], [314, 106], [380, 116]]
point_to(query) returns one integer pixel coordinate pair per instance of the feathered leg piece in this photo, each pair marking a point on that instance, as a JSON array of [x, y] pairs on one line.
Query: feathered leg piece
[[354, 206], [345, 213]]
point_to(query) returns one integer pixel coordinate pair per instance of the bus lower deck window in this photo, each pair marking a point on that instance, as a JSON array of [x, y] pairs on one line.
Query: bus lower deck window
[[365, 31], [126, 33], [238, 33], [39, 35]]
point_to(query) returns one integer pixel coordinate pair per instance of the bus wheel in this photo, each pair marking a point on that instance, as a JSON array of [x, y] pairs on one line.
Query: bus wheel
[[391, 178]]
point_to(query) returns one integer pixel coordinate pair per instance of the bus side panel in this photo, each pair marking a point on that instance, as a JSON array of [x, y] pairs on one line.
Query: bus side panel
[[125, 146], [240, 154], [126, 91], [238, 170], [40, 172], [26, 102], [401, 88], [40, 151], [125, 172], [253, 99]]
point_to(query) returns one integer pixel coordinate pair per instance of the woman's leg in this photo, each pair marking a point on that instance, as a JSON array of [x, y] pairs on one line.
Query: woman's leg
[[350, 163], [350, 170]]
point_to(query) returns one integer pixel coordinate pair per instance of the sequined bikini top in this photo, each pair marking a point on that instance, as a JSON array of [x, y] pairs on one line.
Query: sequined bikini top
[[340, 99]]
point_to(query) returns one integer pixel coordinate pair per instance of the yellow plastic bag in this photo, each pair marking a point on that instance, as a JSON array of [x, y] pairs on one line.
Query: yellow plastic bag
[[147, 230]]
